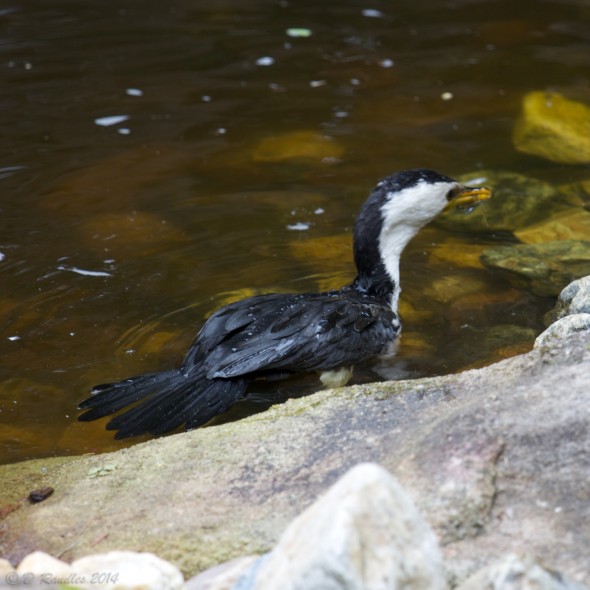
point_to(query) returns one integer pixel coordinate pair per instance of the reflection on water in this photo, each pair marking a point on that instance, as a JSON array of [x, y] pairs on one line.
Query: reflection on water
[[143, 176]]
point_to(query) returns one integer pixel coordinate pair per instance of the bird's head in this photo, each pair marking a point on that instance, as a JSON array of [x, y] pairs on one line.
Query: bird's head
[[413, 198], [395, 211]]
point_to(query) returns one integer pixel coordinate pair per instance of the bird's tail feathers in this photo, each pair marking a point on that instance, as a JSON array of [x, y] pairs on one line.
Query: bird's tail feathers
[[171, 398]]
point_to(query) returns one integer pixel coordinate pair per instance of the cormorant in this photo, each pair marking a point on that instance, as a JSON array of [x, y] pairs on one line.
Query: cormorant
[[275, 336]]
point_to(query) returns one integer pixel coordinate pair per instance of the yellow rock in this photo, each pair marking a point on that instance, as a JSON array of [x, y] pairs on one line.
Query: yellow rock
[[506, 352], [573, 224], [113, 184], [237, 295], [138, 232], [414, 344], [553, 127], [411, 315], [330, 252], [449, 288], [335, 280], [458, 253], [296, 145]]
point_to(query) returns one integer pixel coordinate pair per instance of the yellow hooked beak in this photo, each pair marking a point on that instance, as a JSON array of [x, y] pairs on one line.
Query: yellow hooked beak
[[469, 197]]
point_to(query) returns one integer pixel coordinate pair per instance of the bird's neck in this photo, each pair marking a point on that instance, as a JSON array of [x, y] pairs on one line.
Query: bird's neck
[[378, 284], [378, 264]]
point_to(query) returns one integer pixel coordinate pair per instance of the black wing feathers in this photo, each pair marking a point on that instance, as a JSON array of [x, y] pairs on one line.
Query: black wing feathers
[[304, 333], [262, 336]]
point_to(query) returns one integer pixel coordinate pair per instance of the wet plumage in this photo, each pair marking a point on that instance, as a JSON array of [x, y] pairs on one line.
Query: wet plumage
[[278, 335]]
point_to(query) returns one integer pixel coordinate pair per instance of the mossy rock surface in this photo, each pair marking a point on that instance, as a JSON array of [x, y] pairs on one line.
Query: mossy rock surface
[[517, 201], [544, 269]]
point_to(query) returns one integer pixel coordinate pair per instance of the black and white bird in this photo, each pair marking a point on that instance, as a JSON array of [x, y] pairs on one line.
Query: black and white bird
[[278, 335]]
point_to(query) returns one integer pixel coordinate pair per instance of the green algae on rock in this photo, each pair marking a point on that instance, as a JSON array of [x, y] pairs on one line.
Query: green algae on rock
[[517, 201], [570, 224], [544, 269], [553, 127]]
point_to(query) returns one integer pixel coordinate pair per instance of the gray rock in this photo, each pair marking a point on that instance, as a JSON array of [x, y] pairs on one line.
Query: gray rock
[[564, 327], [5, 568], [513, 573], [517, 201], [364, 534], [575, 298], [38, 563], [544, 269], [497, 459], [128, 570], [223, 576]]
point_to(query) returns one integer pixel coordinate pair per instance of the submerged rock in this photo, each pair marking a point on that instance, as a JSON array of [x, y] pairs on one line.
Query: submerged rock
[[571, 224], [553, 127], [453, 285], [364, 533], [517, 201], [333, 252], [544, 269], [130, 234], [458, 253], [296, 145]]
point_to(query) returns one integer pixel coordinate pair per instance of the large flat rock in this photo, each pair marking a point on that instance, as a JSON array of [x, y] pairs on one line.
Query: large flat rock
[[497, 459]]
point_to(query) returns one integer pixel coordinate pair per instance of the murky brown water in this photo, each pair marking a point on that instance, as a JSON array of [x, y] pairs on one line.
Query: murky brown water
[[179, 204]]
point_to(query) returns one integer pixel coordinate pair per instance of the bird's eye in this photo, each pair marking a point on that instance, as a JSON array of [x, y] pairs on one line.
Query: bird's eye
[[453, 193]]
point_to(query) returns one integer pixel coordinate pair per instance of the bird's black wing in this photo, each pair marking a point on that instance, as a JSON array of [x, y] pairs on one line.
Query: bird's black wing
[[292, 333]]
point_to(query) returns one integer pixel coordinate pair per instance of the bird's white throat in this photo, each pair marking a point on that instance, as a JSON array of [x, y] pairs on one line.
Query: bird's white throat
[[404, 214]]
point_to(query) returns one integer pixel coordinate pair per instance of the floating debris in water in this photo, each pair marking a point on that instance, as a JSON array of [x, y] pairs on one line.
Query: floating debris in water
[[7, 171], [265, 61], [86, 273], [298, 32], [386, 63], [1, 256], [134, 92], [111, 120], [478, 181], [372, 13], [206, 98], [447, 96], [317, 83], [124, 131], [13, 338], [299, 226]]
